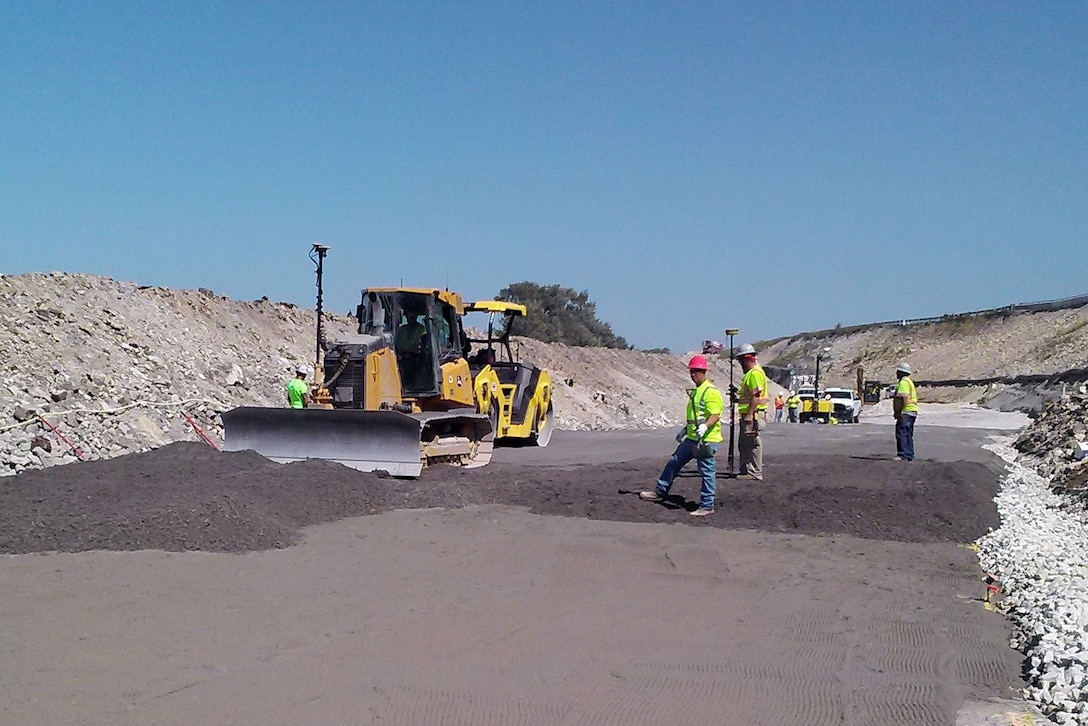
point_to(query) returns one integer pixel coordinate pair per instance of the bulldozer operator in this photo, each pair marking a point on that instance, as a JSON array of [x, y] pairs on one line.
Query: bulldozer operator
[[412, 343]]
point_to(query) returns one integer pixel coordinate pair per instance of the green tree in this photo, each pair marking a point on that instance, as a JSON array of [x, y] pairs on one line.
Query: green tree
[[560, 315]]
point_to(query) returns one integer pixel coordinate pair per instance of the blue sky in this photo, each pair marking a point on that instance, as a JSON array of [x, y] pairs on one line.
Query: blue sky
[[774, 167]]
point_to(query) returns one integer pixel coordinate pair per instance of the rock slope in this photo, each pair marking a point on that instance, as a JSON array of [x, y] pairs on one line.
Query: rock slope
[[94, 367], [971, 347]]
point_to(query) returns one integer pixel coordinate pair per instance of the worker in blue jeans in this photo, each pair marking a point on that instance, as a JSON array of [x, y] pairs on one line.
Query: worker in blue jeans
[[905, 410], [698, 440]]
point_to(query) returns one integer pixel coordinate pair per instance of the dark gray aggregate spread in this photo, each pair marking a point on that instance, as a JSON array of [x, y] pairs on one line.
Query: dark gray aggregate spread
[[187, 496]]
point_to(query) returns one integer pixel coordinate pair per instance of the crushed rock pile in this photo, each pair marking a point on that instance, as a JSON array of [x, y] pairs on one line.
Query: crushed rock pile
[[116, 368], [1039, 557], [1055, 441]]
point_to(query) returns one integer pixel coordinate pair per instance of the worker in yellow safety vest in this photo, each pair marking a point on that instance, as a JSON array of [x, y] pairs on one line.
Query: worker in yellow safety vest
[[698, 440], [752, 406], [793, 405], [905, 410]]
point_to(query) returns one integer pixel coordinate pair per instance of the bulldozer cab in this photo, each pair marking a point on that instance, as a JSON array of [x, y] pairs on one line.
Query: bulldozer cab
[[424, 328]]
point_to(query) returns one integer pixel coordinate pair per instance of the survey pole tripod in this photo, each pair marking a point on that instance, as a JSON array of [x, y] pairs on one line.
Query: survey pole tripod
[[732, 404]]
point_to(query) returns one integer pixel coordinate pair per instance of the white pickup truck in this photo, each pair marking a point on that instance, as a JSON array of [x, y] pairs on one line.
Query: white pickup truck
[[847, 404]]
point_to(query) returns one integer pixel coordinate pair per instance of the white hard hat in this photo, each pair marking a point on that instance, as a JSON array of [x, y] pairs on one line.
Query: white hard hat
[[903, 367], [302, 369], [746, 349]]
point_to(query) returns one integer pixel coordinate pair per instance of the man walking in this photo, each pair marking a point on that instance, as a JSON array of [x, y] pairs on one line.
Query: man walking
[[905, 410], [751, 399], [698, 440]]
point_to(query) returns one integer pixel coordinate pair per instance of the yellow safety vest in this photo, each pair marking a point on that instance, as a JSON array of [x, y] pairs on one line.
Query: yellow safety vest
[[906, 388], [752, 380]]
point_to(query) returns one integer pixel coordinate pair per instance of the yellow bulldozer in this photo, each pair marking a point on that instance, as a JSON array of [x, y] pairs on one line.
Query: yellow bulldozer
[[400, 393]]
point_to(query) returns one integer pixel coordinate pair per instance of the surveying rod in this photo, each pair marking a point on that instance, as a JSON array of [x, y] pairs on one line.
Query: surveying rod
[[732, 408]]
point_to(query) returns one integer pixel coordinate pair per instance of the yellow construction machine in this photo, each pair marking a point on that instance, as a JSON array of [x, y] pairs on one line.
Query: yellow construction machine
[[394, 396], [401, 393], [813, 408], [516, 396]]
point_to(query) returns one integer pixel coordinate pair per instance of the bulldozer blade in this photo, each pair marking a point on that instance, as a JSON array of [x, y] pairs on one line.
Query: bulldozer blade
[[364, 440]]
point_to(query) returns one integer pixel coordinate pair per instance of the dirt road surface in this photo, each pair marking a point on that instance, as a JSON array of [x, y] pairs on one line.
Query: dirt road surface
[[188, 586]]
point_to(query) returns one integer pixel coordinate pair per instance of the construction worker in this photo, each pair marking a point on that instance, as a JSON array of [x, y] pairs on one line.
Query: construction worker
[[411, 334], [698, 440], [779, 404], [298, 393], [751, 396], [905, 410], [412, 344], [793, 406]]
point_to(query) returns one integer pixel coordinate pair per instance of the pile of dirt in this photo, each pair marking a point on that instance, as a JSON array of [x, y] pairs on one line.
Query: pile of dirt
[[187, 496]]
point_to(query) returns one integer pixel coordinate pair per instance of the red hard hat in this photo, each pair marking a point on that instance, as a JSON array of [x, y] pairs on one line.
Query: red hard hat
[[698, 363]]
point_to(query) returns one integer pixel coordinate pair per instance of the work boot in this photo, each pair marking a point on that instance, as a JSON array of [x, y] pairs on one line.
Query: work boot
[[650, 497], [701, 512], [750, 477]]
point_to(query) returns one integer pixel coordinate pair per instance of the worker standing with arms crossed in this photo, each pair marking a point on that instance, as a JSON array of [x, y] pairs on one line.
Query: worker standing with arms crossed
[[698, 440], [905, 410], [751, 400]]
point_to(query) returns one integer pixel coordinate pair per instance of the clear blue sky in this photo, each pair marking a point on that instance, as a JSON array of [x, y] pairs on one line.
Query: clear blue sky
[[775, 167]]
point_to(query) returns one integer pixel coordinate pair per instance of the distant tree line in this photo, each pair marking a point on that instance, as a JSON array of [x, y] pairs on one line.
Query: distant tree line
[[560, 315]]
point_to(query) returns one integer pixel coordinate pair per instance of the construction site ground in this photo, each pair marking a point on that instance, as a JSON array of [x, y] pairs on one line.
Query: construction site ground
[[184, 585]]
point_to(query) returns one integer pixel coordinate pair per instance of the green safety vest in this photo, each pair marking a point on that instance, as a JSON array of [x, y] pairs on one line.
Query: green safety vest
[[296, 392]]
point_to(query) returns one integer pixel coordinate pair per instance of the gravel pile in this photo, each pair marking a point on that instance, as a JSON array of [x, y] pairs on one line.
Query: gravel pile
[[1055, 441], [1040, 557]]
